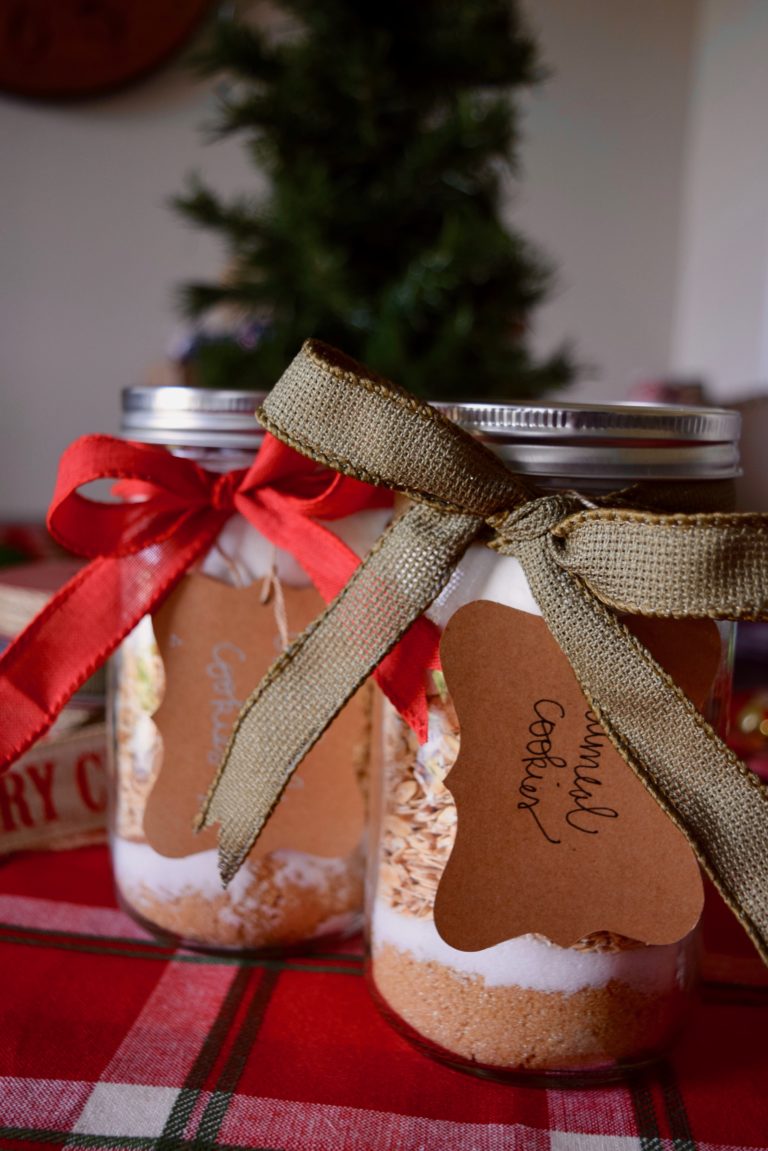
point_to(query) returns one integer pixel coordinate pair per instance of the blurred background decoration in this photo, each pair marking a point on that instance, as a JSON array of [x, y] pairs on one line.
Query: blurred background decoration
[[385, 131], [632, 184], [75, 49]]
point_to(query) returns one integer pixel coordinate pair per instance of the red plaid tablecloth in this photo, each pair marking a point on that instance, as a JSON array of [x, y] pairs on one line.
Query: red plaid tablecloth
[[110, 1040]]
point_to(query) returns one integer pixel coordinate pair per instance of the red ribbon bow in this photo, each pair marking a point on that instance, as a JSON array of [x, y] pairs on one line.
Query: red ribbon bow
[[140, 549]]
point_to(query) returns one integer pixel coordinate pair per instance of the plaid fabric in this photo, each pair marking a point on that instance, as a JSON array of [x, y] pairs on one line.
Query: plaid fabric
[[110, 1040]]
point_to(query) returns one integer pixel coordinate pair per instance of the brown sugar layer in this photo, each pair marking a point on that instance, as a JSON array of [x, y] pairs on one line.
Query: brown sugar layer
[[270, 908], [522, 1028]]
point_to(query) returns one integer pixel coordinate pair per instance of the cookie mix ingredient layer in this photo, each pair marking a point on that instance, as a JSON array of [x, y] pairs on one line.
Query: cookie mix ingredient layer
[[279, 899], [525, 1004]]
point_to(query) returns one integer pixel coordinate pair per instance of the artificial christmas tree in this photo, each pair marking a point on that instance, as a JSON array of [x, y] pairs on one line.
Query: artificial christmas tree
[[385, 132]]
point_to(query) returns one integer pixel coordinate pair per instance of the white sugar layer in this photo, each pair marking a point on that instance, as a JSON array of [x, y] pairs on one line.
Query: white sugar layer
[[138, 864], [530, 961]]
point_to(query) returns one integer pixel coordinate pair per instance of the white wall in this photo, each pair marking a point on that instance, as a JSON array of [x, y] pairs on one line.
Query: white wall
[[604, 165], [90, 254], [722, 319]]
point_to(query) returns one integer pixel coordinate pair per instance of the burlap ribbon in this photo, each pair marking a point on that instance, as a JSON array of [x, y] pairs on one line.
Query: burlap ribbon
[[583, 564]]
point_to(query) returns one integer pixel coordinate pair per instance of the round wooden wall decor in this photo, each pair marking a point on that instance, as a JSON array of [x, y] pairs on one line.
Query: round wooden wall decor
[[71, 49]]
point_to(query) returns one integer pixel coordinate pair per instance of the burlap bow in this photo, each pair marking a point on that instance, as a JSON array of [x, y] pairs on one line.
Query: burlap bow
[[583, 565]]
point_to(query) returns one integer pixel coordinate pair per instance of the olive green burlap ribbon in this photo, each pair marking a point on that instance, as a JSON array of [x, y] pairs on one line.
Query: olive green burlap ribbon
[[583, 564]]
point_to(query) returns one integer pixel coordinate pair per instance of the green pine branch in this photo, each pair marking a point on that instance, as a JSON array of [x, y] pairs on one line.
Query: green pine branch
[[382, 131]]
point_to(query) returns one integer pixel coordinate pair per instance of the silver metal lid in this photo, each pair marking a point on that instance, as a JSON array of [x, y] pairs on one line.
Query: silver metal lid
[[191, 417], [607, 442], [577, 441]]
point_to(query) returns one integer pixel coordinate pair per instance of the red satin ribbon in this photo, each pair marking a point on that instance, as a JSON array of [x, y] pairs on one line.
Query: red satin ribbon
[[140, 549]]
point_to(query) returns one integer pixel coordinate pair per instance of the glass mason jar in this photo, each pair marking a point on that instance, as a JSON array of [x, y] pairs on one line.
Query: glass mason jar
[[526, 1008], [176, 685]]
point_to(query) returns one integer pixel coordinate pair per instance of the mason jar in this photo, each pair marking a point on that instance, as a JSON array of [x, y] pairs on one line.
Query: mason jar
[[579, 1002], [176, 685]]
